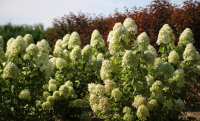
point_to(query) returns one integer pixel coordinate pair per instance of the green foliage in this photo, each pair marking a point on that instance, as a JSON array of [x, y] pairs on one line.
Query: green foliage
[[9, 30]]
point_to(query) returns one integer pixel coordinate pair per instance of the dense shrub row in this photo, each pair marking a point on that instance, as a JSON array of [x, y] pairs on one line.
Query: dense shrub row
[[9, 30], [130, 81], [149, 19]]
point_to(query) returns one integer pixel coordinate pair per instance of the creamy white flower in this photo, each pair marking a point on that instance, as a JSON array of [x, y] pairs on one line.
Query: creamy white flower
[[186, 37], [129, 60], [28, 39], [163, 37], [46, 105], [11, 71], [152, 104], [109, 86], [52, 87], [142, 42], [117, 94], [104, 105], [173, 57], [139, 100], [74, 40], [120, 32], [75, 55], [60, 63], [126, 109], [32, 50], [46, 94], [65, 41], [130, 25], [106, 69], [86, 53], [127, 117], [142, 111], [190, 53], [25, 94]]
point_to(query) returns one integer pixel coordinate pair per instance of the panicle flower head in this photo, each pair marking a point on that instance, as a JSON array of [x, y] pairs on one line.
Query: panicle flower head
[[52, 87], [142, 41], [179, 77], [46, 105], [142, 111], [114, 46], [94, 99], [52, 81], [186, 37], [65, 41], [100, 56], [104, 105], [109, 86], [106, 69], [120, 32], [11, 71], [75, 55], [168, 104], [42, 60], [179, 105], [190, 53], [56, 95], [28, 39], [152, 49], [150, 57], [100, 90], [129, 60], [92, 88], [173, 57], [157, 86], [166, 69], [69, 84], [163, 37], [158, 63], [32, 50], [18, 46], [86, 53], [152, 103], [64, 90], [127, 117], [170, 32], [9, 42], [149, 79], [42, 47], [116, 116], [60, 63], [117, 94], [74, 40], [25, 94], [59, 43], [1, 42], [96, 39], [50, 99], [46, 94], [110, 36], [126, 109], [130, 25], [139, 100]]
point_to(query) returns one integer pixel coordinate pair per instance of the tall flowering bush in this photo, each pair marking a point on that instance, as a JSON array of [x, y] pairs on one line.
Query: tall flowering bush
[[140, 83], [130, 81]]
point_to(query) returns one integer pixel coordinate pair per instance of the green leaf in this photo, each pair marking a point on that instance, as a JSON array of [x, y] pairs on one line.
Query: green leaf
[[127, 40]]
